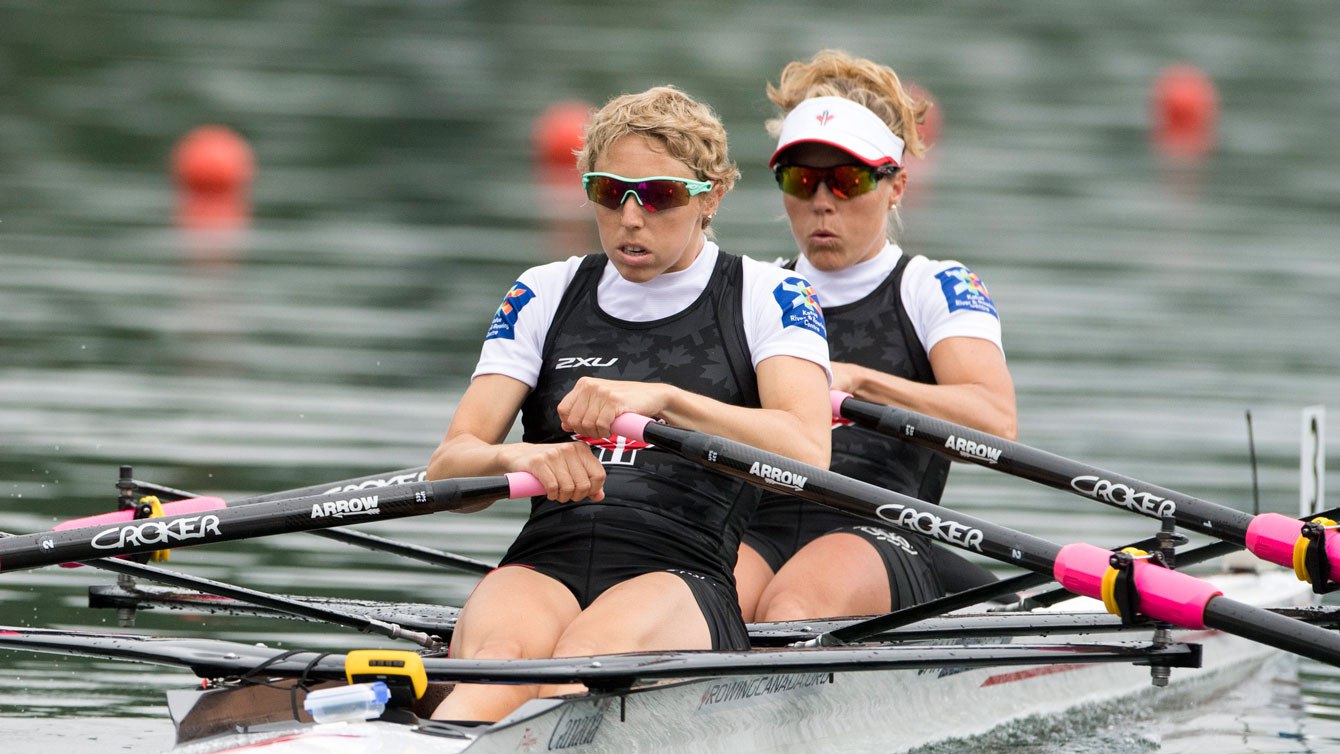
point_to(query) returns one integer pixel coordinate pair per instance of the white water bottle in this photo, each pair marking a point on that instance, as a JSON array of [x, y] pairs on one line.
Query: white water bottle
[[360, 701]]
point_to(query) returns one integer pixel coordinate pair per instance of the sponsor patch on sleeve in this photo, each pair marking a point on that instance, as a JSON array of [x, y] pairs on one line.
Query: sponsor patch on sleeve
[[800, 305], [504, 320], [964, 290]]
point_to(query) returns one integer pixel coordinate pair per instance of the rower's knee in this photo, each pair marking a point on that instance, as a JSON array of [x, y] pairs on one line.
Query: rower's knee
[[787, 606], [579, 644], [497, 648]]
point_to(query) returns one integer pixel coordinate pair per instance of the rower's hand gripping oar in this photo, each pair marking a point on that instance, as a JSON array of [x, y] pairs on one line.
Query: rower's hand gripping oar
[[259, 519], [1311, 549], [1126, 581]]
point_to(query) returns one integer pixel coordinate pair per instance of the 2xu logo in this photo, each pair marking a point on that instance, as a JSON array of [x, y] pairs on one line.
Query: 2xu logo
[[572, 362], [1127, 497]]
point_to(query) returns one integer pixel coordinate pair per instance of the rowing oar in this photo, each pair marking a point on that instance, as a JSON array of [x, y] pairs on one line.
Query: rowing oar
[[1311, 548], [1128, 584], [258, 519], [364, 623], [347, 536], [183, 502]]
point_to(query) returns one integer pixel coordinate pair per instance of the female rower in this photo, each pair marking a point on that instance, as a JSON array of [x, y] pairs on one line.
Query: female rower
[[632, 547], [909, 331]]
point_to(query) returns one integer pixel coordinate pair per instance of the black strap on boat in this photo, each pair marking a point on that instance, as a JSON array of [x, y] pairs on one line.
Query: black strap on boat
[[1124, 593], [303, 679], [1315, 558]]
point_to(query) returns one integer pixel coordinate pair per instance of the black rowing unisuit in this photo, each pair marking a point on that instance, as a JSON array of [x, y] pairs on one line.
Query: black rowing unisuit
[[660, 511]]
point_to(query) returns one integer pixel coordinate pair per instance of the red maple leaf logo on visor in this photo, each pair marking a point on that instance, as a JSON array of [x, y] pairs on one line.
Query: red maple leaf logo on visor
[[823, 118]]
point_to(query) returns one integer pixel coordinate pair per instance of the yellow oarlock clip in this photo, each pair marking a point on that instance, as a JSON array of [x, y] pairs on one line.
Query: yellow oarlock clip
[[400, 669], [1109, 587], [1300, 551], [156, 511]]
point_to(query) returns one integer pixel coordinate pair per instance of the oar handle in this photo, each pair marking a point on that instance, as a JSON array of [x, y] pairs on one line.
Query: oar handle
[[631, 425], [523, 484], [837, 397]]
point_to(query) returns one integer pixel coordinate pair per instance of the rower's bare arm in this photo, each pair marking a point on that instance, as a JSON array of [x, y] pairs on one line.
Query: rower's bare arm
[[794, 419], [974, 387], [474, 445]]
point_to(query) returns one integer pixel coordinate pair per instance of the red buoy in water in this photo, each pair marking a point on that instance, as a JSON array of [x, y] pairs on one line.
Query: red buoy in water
[[558, 132], [213, 168], [1184, 113], [213, 159]]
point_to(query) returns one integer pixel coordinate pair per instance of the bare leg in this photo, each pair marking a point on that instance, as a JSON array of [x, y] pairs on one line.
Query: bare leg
[[514, 613], [752, 574], [835, 575], [654, 611]]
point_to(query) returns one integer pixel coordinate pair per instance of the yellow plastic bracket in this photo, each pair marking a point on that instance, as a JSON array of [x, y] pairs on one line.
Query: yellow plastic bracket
[[156, 511], [1109, 586], [397, 668], [1300, 551]]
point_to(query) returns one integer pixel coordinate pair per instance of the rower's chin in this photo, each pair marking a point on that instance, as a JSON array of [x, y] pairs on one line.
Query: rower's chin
[[638, 267]]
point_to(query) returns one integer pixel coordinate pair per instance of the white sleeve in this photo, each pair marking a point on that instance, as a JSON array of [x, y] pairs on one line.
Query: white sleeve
[[782, 316], [514, 344], [947, 300]]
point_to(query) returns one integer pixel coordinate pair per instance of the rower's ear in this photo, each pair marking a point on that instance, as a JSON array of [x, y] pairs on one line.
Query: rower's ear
[[711, 201]]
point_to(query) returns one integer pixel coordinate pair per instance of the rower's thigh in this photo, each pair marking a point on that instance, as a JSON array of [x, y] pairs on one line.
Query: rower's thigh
[[649, 612], [514, 612], [752, 574], [835, 575]]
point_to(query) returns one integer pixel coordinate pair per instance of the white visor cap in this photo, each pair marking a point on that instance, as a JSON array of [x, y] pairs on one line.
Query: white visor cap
[[841, 123]]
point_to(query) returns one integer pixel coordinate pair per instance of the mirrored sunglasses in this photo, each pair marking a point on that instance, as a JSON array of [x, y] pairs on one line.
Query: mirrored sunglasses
[[652, 194], [845, 181]]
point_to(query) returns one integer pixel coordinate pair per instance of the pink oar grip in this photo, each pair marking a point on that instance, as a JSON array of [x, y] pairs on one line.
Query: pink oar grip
[[630, 425], [189, 505], [837, 397], [1164, 594], [523, 484]]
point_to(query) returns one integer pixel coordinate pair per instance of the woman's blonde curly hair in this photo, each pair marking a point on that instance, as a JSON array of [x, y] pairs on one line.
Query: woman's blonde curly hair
[[834, 73], [690, 131]]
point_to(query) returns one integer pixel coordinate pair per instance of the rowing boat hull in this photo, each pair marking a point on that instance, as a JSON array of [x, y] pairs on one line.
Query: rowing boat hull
[[875, 711]]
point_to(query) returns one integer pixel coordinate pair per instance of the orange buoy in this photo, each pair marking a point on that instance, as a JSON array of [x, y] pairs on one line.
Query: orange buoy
[[213, 168], [213, 159], [558, 132], [1184, 113]]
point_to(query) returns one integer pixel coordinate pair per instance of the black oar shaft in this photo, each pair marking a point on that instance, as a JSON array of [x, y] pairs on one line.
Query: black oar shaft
[[254, 520], [966, 444], [349, 536], [1280, 631], [779, 473], [1171, 596]]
